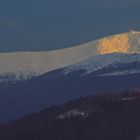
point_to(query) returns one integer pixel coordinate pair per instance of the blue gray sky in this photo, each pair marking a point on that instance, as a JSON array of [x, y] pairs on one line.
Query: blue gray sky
[[37, 25]]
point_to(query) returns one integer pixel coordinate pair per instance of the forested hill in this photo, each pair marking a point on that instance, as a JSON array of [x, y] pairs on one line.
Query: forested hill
[[112, 116]]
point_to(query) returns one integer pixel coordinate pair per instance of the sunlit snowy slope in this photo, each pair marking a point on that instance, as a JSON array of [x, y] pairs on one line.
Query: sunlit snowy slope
[[24, 65]]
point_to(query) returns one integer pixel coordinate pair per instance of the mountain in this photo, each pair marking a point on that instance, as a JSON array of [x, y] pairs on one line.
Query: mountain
[[110, 64], [101, 117], [25, 65]]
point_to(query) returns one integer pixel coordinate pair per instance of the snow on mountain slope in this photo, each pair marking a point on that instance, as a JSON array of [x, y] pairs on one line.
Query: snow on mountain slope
[[124, 72], [103, 61], [27, 64]]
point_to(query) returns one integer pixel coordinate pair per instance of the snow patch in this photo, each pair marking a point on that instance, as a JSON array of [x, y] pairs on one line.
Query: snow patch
[[119, 73]]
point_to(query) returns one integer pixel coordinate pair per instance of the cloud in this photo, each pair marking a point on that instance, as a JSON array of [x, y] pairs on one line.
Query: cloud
[[7, 24]]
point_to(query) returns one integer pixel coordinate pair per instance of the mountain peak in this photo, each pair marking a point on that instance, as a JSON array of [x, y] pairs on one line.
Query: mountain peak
[[128, 42]]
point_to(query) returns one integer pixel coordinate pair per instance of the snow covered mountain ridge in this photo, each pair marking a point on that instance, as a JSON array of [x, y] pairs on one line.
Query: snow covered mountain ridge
[[27, 64]]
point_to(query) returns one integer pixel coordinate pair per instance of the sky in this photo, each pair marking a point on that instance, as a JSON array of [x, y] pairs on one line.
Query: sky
[[42, 25]]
